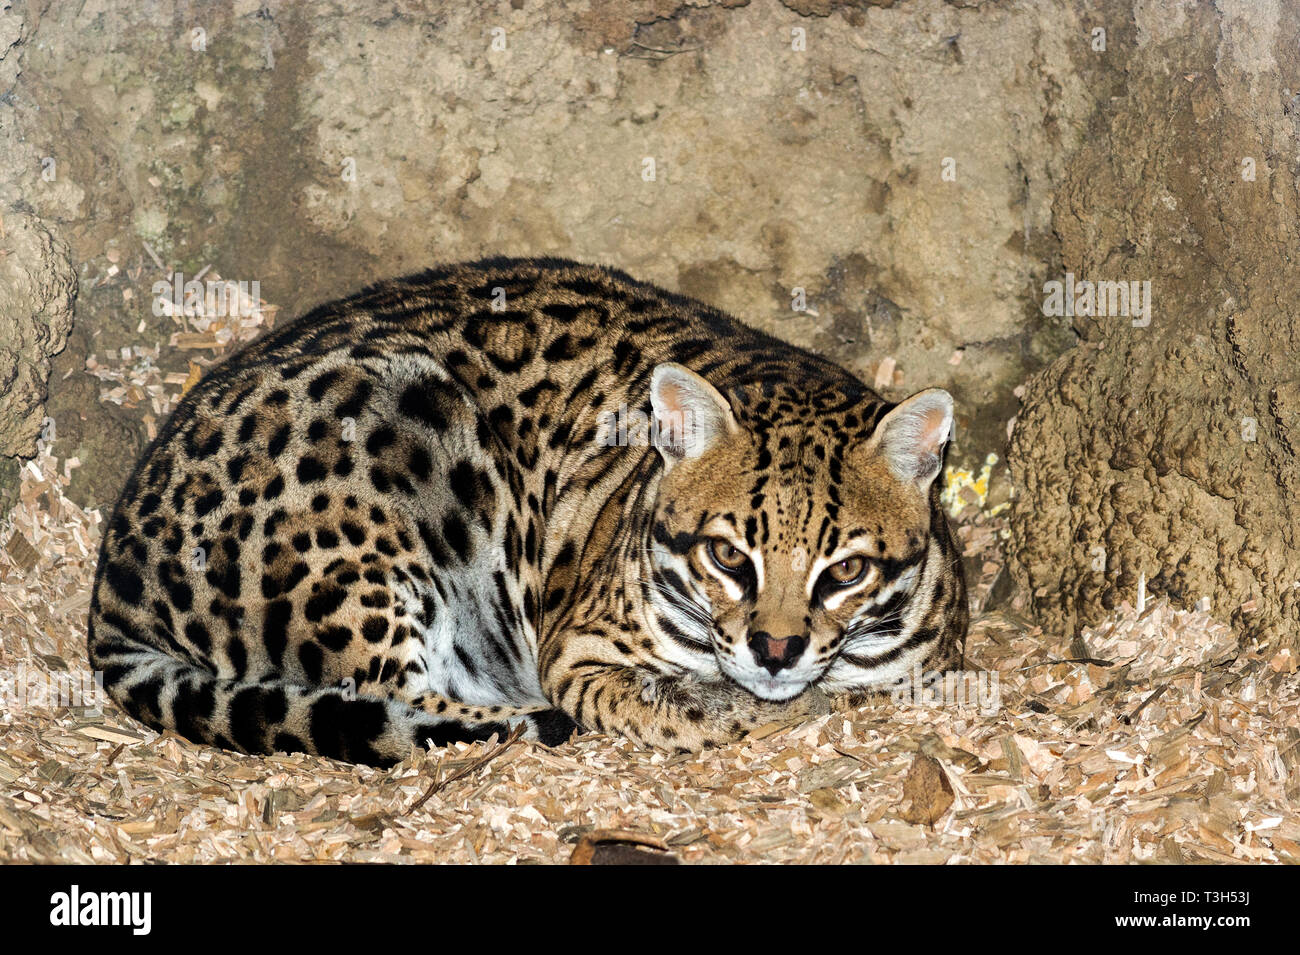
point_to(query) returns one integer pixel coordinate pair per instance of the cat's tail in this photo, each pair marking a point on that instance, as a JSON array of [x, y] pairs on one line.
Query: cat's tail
[[171, 692]]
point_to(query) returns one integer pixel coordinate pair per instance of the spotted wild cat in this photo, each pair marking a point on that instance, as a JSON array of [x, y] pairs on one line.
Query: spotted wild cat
[[523, 490]]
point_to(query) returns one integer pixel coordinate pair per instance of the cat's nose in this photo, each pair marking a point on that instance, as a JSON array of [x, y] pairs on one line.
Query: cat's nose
[[776, 653]]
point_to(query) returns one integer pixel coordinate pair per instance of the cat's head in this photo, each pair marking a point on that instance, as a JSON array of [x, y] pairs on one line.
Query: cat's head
[[793, 532]]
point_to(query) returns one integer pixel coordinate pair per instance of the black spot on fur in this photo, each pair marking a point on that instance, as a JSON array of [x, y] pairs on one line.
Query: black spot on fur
[[356, 402], [181, 594], [456, 535], [310, 470], [288, 743], [374, 629], [208, 446], [418, 402], [562, 349], [311, 658], [334, 638], [554, 727], [192, 706], [252, 711], [322, 383], [376, 599], [274, 488], [124, 581], [238, 657], [324, 603], [208, 502], [275, 629], [275, 447], [197, 634], [420, 463], [382, 437]]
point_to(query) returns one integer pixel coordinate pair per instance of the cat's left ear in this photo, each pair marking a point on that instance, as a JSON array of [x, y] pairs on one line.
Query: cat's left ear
[[690, 415], [911, 438]]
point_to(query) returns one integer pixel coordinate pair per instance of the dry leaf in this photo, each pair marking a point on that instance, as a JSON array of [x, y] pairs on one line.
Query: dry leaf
[[927, 794]]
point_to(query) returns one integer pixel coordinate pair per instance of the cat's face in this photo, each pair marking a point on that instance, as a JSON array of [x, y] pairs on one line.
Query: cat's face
[[791, 539]]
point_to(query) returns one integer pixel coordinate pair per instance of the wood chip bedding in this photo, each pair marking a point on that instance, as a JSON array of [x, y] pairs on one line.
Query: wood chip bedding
[[1152, 738]]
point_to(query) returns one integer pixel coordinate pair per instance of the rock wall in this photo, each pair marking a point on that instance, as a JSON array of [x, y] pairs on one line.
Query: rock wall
[[896, 162], [37, 283], [1166, 451]]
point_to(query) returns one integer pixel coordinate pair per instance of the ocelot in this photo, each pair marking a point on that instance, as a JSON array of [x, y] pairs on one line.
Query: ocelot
[[523, 490]]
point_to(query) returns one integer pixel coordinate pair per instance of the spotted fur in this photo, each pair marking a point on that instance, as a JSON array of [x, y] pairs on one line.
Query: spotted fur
[[499, 492]]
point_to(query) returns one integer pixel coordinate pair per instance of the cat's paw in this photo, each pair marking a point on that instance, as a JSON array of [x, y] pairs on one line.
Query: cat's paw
[[815, 701], [812, 702]]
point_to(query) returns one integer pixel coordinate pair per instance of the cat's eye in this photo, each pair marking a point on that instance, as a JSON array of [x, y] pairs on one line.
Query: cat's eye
[[727, 557], [848, 571]]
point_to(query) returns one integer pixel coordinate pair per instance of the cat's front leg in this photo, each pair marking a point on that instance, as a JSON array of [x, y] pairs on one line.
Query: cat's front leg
[[671, 712]]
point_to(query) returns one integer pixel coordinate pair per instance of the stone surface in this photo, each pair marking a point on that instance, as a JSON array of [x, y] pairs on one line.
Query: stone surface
[[796, 146], [37, 286], [37, 283], [1167, 451]]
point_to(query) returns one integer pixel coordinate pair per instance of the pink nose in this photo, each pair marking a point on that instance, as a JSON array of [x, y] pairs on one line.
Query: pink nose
[[776, 653]]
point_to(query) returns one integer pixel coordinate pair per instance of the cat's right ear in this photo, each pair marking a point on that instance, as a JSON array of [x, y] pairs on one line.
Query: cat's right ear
[[690, 415]]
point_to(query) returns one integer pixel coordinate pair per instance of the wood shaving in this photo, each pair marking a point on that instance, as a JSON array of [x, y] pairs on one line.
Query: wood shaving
[[1082, 761]]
